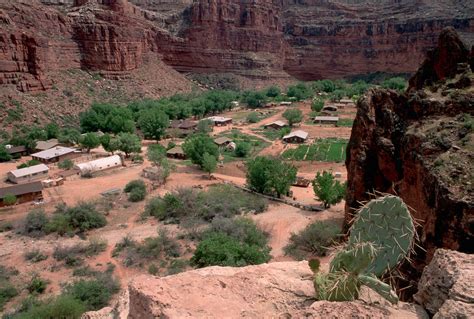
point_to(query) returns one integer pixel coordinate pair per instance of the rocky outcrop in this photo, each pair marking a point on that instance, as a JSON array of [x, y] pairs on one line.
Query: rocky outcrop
[[276, 290], [445, 288], [419, 145], [262, 38]]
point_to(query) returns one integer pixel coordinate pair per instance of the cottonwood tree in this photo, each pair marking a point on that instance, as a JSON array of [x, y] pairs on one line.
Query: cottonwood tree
[[153, 123], [129, 143], [327, 189], [293, 116], [89, 141], [197, 145], [209, 163]]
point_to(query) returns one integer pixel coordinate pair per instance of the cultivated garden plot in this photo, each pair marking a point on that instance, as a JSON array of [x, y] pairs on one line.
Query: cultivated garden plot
[[323, 150]]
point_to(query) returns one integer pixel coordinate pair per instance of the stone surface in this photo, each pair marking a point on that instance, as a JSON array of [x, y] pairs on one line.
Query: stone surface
[[275, 290], [445, 288], [418, 145]]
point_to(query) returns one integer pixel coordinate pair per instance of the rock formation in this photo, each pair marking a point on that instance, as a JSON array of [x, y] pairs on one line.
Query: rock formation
[[419, 145], [445, 289], [262, 38], [276, 290]]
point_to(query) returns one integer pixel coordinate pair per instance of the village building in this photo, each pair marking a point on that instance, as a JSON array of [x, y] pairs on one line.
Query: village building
[[100, 164], [55, 154], [28, 174], [184, 127], [276, 125], [296, 137], [16, 151], [176, 152], [285, 103], [222, 141], [23, 192], [46, 145], [332, 120], [220, 121]]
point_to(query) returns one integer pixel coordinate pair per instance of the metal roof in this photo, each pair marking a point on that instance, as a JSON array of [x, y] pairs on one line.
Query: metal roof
[[219, 119], [45, 145], [278, 123], [16, 149], [40, 168], [21, 189], [299, 133], [176, 150], [327, 118], [222, 140], [100, 164], [54, 152]]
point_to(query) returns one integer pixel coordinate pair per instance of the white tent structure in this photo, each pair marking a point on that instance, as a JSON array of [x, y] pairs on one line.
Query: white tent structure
[[100, 164]]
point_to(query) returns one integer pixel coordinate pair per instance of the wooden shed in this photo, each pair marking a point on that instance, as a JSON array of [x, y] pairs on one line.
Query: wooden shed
[[332, 120], [176, 152]]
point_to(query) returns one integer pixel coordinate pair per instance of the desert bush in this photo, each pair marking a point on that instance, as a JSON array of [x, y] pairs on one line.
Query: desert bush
[[6, 226], [35, 224], [136, 190], [73, 255], [313, 241], [95, 293], [242, 149], [63, 306], [317, 105], [35, 256], [253, 117], [37, 285], [80, 218], [177, 266], [7, 292], [153, 269]]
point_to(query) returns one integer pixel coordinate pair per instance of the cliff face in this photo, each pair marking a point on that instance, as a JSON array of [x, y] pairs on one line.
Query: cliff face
[[420, 145], [263, 38]]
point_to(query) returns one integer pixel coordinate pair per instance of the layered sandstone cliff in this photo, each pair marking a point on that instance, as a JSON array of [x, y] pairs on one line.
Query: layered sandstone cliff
[[420, 146], [263, 38]]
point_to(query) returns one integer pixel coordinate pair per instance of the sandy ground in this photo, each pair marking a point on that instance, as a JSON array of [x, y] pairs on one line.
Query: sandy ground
[[280, 220]]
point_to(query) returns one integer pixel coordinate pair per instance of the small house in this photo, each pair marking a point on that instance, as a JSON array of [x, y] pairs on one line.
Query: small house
[[222, 141], [296, 137], [100, 164], [28, 174], [332, 120], [277, 125], [16, 151], [285, 103], [176, 152], [46, 145], [220, 120], [23, 192], [55, 154]]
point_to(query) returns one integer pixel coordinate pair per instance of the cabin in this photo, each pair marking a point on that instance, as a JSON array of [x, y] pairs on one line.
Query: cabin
[[220, 120], [28, 174], [100, 164], [23, 192], [296, 137], [277, 125], [286, 103], [222, 141], [176, 153], [55, 154], [331, 120], [16, 151], [46, 145]]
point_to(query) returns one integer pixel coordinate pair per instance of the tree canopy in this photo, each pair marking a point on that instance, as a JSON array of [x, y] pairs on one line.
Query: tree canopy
[[327, 189], [197, 145]]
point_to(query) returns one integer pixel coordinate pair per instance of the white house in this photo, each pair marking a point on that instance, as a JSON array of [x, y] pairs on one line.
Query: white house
[[28, 174], [100, 164]]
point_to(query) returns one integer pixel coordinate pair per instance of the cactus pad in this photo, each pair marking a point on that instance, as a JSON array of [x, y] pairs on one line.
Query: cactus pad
[[336, 286], [386, 222]]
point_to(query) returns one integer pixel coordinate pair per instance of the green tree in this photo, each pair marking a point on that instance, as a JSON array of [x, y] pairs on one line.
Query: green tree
[[254, 99], [156, 153], [69, 136], [119, 120], [209, 163], [273, 91], [197, 145], [396, 83], [153, 123], [129, 143], [281, 177], [109, 143], [317, 105], [9, 199], [204, 126], [293, 116], [4, 155], [90, 141], [327, 189], [270, 176], [242, 149], [299, 91], [253, 117], [66, 164], [52, 130]]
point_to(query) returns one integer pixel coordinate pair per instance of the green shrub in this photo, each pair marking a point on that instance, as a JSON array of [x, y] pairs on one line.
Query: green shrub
[[253, 117], [37, 285], [317, 105], [153, 269], [9, 199], [177, 266], [4, 155], [95, 293], [81, 218], [136, 190], [7, 292], [6, 226], [61, 307], [313, 241], [66, 164], [35, 224], [396, 83], [273, 91], [242, 149], [35, 255], [73, 255]]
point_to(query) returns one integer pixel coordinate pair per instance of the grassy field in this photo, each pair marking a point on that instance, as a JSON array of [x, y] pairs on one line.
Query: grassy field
[[256, 144], [323, 150]]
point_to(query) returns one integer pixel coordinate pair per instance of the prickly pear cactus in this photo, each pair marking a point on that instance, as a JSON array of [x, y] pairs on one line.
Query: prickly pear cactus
[[336, 286], [386, 222], [354, 259]]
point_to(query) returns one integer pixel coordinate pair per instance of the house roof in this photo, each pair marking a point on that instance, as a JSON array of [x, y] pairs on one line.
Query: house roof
[[346, 101], [46, 145], [29, 170], [175, 150], [184, 125], [277, 123], [299, 133], [331, 108], [327, 118], [222, 140], [16, 149], [106, 162], [21, 189], [54, 152], [219, 119]]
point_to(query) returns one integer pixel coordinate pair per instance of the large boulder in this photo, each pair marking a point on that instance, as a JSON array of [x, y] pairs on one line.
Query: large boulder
[[275, 290], [446, 287]]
